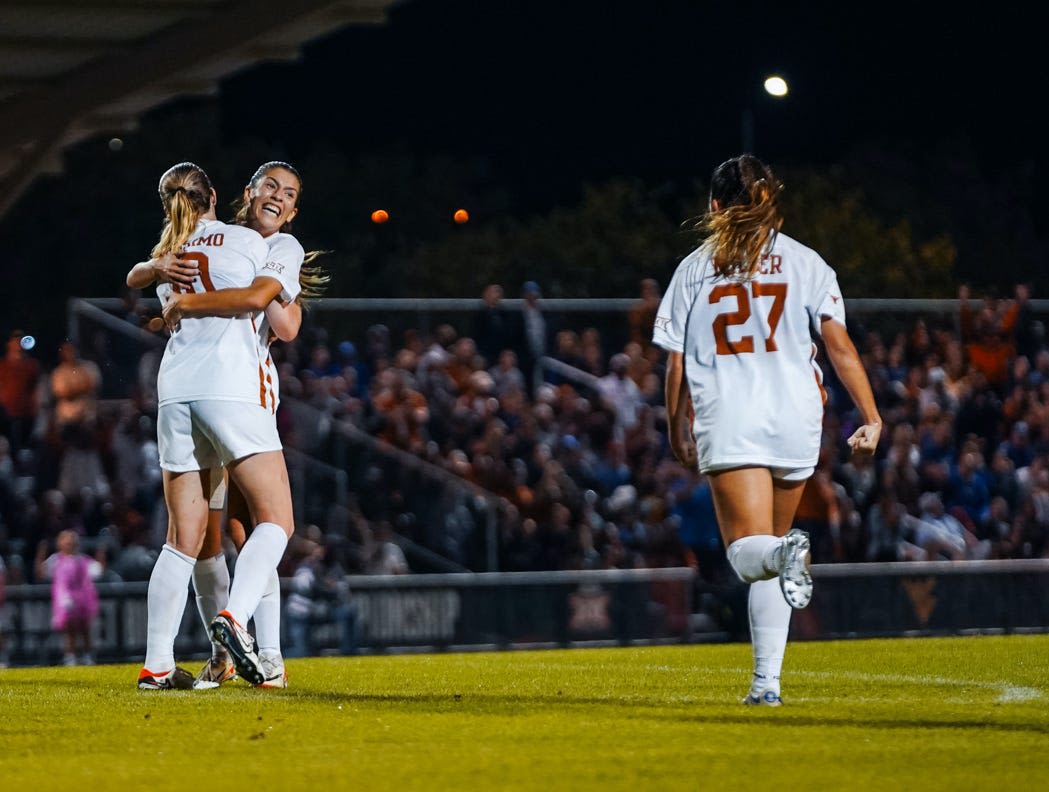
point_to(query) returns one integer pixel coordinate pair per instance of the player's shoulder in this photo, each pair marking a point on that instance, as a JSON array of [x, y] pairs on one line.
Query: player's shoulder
[[239, 232], [248, 239], [284, 244], [695, 260]]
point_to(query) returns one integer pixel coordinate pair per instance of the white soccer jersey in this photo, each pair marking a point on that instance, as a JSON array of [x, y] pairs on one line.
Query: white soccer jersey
[[283, 262], [749, 354], [212, 357]]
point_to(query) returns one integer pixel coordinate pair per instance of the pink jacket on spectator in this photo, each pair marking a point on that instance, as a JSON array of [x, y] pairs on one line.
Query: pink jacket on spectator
[[73, 593]]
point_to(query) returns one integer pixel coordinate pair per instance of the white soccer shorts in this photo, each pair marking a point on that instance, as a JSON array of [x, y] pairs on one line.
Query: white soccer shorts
[[206, 434]]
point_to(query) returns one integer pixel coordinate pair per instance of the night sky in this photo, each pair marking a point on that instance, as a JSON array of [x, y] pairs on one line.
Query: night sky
[[550, 96], [558, 92]]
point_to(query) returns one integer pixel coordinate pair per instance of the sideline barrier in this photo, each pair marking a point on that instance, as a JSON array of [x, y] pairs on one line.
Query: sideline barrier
[[517, 610], [407, 612], [905, 598]]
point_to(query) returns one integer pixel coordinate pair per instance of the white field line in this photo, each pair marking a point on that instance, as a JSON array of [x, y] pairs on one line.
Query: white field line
[[1007, 693]]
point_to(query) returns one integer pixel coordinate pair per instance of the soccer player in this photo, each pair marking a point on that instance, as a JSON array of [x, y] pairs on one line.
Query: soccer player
[[744, 393], [269, 203], [215, 409]]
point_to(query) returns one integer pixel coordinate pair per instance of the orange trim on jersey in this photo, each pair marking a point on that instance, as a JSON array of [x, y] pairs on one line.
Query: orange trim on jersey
[[262, 386], [271, 395], [262, 374], [816, 376]]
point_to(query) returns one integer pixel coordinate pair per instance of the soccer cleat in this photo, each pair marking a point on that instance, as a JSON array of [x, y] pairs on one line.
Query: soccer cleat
[[176, 679], [215, 672], [276, 676], [794, 578], [241, 647], [767, 698]]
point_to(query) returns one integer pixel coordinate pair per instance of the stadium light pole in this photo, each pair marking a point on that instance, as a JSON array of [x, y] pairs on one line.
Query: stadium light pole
[[775, 86]]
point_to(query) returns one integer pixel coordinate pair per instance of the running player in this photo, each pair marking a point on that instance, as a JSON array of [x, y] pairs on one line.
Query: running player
[[210, 373], [744, 393]]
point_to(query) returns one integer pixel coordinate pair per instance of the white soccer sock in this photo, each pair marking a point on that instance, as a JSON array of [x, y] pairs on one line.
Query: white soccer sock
[[258, 558], [769, 625], [211, 583], [267, 616], [165, 603], [754, 557]]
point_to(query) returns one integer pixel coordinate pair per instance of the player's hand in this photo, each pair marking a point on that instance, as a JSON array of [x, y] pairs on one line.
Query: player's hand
[[169, 268], [864, 440], [683, 444], [172, 311]]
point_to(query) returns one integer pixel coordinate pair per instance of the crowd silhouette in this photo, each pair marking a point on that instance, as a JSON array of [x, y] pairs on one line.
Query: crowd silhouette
[[574, 451]]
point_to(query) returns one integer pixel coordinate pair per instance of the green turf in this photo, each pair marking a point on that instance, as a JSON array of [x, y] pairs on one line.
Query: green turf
[[901, 714]]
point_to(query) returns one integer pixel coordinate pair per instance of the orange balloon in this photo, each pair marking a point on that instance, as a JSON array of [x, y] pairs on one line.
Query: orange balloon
[[380, 216], [461, 216]]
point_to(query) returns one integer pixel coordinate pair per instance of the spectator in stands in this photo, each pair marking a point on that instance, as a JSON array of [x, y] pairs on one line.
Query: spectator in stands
[[74, 599], [621, 395], [1003, 481], [942, 536], [75, 383], [968, 487], [401, 413], [989, 336], [531, 334], [81, 472], [1029, 536], [890, 529], [919, 343], [642, 314], [52, 517], [133, 447], [937, 448], [591, 349], [995, 528], [903, 457], [506, 375], [980, 414], [464, 362], [559, 538], [20, 377], [492, 324], [520, 548], [1017, 445], [138, 554], [384, 555], [308, 600]]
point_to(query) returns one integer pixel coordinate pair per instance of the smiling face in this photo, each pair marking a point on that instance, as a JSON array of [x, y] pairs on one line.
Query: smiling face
[[272, 200]]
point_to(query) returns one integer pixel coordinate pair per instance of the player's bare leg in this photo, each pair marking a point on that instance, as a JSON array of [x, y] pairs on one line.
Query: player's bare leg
[[755, 511], [187, 496]]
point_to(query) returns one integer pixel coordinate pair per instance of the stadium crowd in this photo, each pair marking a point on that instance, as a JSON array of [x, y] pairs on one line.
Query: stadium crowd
[[574, 451]]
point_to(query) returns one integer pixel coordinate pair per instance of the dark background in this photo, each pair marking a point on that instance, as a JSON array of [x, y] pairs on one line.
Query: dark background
[[512, 109]]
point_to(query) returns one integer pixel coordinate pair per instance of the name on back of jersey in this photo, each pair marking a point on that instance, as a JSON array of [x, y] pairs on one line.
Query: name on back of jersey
[[211, 240]]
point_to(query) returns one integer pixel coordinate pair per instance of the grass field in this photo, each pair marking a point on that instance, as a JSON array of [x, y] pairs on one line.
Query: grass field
[[947, 713]]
